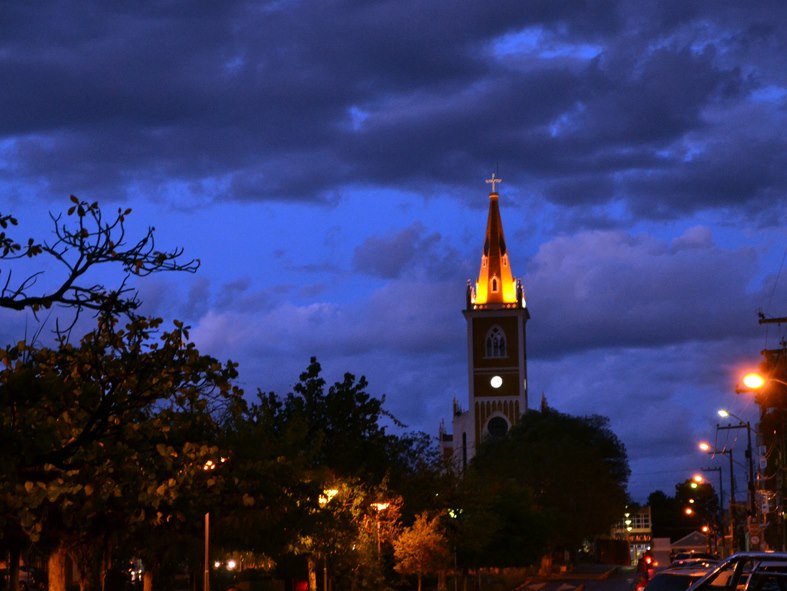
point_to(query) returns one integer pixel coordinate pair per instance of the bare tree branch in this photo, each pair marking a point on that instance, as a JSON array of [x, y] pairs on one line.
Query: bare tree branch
[[79, 248]]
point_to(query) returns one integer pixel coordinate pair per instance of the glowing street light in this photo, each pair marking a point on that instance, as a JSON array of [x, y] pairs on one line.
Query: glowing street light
[[379, 507], [754, 381], [208, 467], [325, 498]]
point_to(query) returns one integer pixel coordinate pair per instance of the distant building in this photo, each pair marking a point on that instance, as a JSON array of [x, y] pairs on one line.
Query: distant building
[[496, 315], [636, 528]]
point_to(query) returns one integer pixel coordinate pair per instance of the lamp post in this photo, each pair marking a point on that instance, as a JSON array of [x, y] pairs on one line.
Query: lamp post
[[776, 402], [324, 499], [206, 573], [724, 413], [710, 450], [379, 507], [207, 467]]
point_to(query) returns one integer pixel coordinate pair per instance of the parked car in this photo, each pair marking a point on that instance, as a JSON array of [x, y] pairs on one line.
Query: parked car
[[747, 571], [673, 578], [692, 555], [695, 563]]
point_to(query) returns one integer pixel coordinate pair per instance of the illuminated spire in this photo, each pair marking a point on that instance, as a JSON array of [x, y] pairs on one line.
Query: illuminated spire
[[496, 284]]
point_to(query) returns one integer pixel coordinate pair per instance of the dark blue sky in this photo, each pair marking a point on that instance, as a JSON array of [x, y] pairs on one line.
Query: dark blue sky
[[326, 162]]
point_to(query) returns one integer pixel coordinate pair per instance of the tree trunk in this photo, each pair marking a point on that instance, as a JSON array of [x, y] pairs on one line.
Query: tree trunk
[[419, 581], [13, 568], [147, 581], [546, 564], [56, 566], [312, 565]]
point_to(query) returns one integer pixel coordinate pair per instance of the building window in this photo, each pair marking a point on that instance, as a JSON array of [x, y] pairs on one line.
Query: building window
[[494, 284], [496, 343]]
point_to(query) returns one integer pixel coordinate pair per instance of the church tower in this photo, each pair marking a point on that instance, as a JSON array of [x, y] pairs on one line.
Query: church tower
[[496, 315]]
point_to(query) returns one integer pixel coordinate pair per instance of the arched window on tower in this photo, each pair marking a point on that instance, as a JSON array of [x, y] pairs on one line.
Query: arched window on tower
[[496, 343], [494, 284]]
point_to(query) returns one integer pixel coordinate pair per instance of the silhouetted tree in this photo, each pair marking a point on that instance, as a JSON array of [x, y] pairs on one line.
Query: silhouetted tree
[[79, 250], [574, 468]]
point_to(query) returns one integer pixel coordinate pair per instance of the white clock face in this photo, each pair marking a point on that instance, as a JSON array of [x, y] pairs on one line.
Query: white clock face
[[496, 381]]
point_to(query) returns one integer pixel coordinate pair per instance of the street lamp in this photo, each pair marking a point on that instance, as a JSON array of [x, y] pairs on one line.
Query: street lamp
[[710, 450], [379, 507], [209, 466], [724, 413], [325, 498], [754, 381]]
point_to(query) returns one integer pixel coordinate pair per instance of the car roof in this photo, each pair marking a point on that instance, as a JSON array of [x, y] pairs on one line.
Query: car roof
[[683, 570]]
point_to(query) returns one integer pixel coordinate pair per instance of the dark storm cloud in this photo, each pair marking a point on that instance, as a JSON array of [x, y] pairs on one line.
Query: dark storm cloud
[[609, 289], [411, 252], [294, 100]]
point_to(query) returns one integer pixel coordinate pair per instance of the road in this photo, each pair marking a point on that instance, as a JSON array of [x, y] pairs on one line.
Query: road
[[620, 580]]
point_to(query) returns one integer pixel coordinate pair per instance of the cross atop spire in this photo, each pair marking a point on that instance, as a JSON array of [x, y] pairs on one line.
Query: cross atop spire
[[493, 181]]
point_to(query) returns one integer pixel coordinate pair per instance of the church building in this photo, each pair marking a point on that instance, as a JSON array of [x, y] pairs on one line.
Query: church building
[[496, 315]]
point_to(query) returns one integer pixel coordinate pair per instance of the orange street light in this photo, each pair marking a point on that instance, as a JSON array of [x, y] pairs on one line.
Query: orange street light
[[754, 381], [705, 446], [379, 507], [325, 498]]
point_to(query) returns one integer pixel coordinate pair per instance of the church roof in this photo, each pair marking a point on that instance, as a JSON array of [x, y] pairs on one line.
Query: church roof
[[495, 286]]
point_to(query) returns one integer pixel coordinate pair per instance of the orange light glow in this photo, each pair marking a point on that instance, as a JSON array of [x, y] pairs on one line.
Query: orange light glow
[[688, 511], [753, 381]]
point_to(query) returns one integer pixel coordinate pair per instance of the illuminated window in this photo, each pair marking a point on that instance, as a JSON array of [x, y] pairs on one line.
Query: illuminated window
[[496, 343]]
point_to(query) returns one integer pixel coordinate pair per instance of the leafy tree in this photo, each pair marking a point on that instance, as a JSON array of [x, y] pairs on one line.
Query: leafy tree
[[574, 468], [78, 413], [669, 513], [499, 523], [422, 548], [335, 436]]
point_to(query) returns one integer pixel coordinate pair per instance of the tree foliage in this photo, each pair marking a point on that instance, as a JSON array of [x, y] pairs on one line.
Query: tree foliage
[[110, 434], [572, 470], [669, 516], [335, 437], [422, 548]]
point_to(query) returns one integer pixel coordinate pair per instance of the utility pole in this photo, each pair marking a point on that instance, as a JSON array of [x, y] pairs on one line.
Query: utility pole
[[773, 408], [746, 425]]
